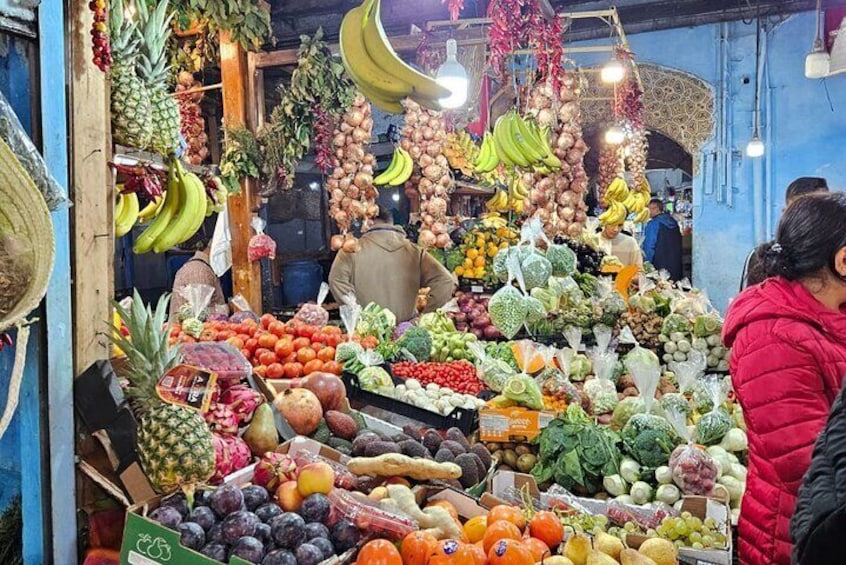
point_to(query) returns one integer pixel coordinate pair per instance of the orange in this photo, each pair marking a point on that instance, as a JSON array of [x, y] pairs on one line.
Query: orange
[[546, 527], [475, 528], [498, 531], [416, 548], [510, 552], [508, 514], [450, 552], [537, 548], [379, 552], [479, 553]]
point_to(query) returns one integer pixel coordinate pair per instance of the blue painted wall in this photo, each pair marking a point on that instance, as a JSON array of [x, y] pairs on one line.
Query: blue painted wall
[[805, 137]]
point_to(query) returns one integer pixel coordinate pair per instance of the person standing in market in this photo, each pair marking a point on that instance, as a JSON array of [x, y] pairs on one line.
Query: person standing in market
[[389, 270], [753, 270], [662, 241], [198, 270], [614, 241], [788, 360]]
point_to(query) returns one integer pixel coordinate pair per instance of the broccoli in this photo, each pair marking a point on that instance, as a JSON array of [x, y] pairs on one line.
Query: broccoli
[[418, 342]]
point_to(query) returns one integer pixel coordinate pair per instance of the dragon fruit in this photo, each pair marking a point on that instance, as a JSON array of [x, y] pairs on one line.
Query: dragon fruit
[[222, 459], [240, 451], [242, 400], [222, 420], [274, 469]]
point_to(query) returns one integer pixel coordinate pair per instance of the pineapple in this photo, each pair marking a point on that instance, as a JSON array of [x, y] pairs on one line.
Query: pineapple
[[130, 106], [153, 31], [174, 443]]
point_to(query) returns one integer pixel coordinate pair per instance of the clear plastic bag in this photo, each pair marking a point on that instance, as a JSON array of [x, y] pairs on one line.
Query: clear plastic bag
[[492, 371], [687, 372], [601, 389], [350, 311], [261, 245], [195, 310], [644, 517], [242, 310], [522, 388], [535, 267], [580, 365], [694, 470], [24, 149], [713, 426], [507, 307], [315, 314]]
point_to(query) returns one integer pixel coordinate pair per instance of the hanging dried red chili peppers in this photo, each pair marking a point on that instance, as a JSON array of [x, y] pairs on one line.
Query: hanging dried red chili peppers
[[324, 129], [100, 35], [454, 7], [506, 31], [547, 38], [142, 179]]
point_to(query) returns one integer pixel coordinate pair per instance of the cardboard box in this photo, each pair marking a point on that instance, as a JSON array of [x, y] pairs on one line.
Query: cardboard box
[[512, 424], [502, 485], [466, 506]]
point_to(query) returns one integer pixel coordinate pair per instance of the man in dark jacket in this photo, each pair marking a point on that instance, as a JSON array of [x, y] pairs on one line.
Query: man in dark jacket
[[662, 241], [819, 519]]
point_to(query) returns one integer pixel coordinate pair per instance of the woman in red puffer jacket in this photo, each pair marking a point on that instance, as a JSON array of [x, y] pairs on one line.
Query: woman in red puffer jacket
[[788, 359]]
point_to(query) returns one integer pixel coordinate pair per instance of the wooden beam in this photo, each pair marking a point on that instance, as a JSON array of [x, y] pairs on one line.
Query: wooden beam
[[246, 275], [93, 196], [546, 9]]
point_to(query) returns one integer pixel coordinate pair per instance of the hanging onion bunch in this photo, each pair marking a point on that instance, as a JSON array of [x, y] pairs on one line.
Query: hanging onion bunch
[[610, 167], [558, 198], [424, 137], [352, 196], [637, 150], [192, 124]]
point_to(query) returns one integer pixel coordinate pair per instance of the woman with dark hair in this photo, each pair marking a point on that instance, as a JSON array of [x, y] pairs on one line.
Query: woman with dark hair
[[788, 359]]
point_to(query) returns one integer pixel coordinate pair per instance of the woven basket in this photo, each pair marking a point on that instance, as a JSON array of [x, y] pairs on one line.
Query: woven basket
[[25, 220]]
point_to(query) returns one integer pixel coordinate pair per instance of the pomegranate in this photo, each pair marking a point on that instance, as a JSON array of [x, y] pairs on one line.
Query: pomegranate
[[301, 408], [328, 388]]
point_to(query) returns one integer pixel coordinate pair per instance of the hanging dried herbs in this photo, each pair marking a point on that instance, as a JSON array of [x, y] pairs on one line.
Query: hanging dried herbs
[[241, 158], [247, 20], [318, 85]]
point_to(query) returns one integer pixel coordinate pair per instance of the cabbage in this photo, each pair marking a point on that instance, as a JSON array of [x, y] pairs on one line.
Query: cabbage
[[523, 390], [734, 486], [735, 440], [374, 378]]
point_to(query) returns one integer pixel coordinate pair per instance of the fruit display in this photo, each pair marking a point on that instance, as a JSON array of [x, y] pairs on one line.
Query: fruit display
[[192, 124], [479, 247], [376, 69], [558, 198], [462, 153], [519, 457], [351, 192], [424, 138], [398, 171], [458, 376]]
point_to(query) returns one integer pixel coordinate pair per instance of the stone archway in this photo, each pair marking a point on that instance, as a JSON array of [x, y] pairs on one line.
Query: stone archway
[[677, 104]]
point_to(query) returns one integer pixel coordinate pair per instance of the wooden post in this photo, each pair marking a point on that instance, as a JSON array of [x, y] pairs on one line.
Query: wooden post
[[92, 214], [246, 275]]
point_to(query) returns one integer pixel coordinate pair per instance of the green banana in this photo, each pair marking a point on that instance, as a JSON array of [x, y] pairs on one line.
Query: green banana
[[148, 237]]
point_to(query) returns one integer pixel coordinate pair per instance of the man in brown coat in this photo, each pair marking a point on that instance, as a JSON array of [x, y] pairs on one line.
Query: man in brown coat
[[390, 270]]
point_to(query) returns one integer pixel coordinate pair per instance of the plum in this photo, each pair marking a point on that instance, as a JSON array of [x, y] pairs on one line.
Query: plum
[[226, 500], [249, 549], [344, 535], [324, 545], [262, 533], [216, 551], [215, 533], [267, 512], [316, 530], [191, 535], [177, 501], [204, 516], [288, 530], [280, 557], [238, 525], [202, 497], [254, 496], [308, 554], [167, 516], [315, 508]]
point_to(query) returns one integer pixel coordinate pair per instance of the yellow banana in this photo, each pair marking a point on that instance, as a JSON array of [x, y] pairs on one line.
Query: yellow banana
[[170, 205], [407, 167], [392, 170], [362, 69], [484, 153], [150, 210], [642, 216], [128, 216], [120, 208], [196, 220]]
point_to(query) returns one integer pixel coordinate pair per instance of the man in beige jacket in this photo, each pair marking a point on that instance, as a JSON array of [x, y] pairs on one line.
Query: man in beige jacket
[[390, 271]]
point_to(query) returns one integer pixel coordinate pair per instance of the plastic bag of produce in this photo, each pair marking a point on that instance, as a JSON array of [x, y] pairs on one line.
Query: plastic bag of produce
[[711, 427], [547, 297], [580, 366], [676, 323], [241, 310], [601, 390], [195, 310], [608, 301], [691, 303], [694, 470], [707, 325], [522, 388], [645, 517], [376, 321], [315, 314], [507, 307], [687, 372], [494, 372], [535, 267], [261, 245], [603, 335], [639, 359], [440, 321], [373, 377]]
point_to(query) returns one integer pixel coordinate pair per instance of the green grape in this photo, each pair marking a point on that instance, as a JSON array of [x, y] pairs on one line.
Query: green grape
[[693, 523], [720, 539], [629, 527], [673, 534], [651, 533], [681, 529], [710, 523], [679, 543], [697, 545], [708, 541], [601, 519], [686, 515], [661, 530], [695, 537]]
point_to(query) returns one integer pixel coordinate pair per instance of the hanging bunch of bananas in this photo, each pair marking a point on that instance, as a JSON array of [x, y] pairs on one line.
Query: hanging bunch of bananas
[[486, 160], [181, 212], [616, 196], [521, 143], [376, 69], [512, 198], [461, 152], [127, 211], [398, 171], [641, 201]]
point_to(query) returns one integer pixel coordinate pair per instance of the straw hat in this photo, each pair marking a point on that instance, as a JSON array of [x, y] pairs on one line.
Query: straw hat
[[24, 216]]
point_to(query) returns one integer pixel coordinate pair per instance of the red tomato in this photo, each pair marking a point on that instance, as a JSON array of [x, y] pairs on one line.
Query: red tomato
[[267, 341], [208, 335], [305, 355], [326, 354], [247, 353], [275, 371], [277, 329], [333, 340], [293, 370], [266, 320], [313, 366], [332, 367], [223, 335], [292, 358], [301, 342], [283, 347], [260, 370], [370, 342], [261, 350], [251, 344], [318, 337], [185, 338], [306, 331], [268, 358]]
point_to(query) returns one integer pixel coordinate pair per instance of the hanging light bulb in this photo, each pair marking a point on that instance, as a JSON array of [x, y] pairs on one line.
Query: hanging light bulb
[[613, 71], [453, 76], [395, 197], [818, 61], [755, 147], [615, 135]]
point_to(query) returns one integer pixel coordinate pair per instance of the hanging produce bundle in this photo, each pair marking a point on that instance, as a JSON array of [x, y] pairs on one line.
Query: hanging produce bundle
[[193, 126], [636, 155], [424, 137], [376, 69], [610, 168], [240, 160], [100, 35], [558, 198], [352, 194]]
